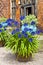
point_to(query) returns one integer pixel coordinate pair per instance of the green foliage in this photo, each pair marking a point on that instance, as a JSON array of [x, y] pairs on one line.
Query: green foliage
[[22, 46], [2, 19], [4, 35], [29, 18]]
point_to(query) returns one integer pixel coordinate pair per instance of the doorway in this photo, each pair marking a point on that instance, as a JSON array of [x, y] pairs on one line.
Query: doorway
[[28, 10]]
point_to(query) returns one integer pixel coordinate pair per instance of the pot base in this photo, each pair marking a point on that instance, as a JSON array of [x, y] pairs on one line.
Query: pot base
[[24, 59], [1, 43]]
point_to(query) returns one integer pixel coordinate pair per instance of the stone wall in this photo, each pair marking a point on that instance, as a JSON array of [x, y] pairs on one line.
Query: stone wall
[[40, 13], [5, 8]]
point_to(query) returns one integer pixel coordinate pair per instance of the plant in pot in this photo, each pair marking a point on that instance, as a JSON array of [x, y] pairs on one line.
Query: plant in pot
[[23, 42], [3, 35]]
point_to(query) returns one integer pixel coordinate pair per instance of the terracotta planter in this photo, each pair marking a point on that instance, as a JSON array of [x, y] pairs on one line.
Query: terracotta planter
[[1, 43], [24, 59]]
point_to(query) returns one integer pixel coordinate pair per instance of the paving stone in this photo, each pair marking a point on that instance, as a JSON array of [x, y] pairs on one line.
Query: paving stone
[[7, 58]]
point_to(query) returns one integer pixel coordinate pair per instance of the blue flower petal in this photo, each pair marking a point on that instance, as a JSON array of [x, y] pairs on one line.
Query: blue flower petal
[[0, 30], [22, 17], [19, 35], [17, 30], [30, 39], [33, 33], [26, 35], [10, 21], [30, 30], [38, 32], [16, 23], [25, 29], [13, 32], [25, 24], [9, 24], [33, 23], [23, 32]]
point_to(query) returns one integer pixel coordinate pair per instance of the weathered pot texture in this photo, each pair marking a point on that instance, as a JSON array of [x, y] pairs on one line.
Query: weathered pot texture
[[1, 43], [24, 59]]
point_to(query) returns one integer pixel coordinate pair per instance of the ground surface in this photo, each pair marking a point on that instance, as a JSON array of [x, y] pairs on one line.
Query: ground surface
[[6, 58]]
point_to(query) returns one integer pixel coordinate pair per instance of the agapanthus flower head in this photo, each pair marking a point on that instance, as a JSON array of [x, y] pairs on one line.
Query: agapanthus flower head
[[19, 35], [13, 32], [0, 26], [25, 29], [23, 32], [30, 39], [16, 23], [25, 24], [33, 23], [30, 29], [10, 20], [9, 24], [17, 30], [26, 35], [0, 30], [38, 32], [33, 33], [22, 17]]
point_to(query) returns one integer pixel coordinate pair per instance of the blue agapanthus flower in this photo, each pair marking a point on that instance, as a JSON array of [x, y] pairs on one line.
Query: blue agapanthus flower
[[30, 30], [19, 35], [13, 32], [25, 24], [16, 23], [38, 32], [26, 35], [23, 32], [33, 33], [30, 39], [22, 17], [25, 29], [17, 30], [9, 24], [0, 26], [33, 23], [0, 30], [10, 20]]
